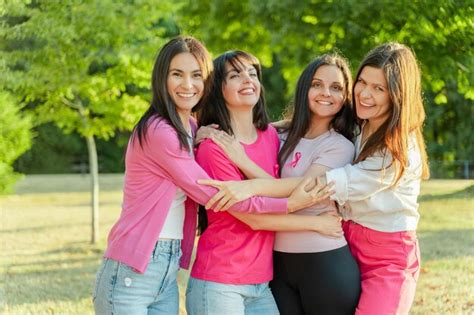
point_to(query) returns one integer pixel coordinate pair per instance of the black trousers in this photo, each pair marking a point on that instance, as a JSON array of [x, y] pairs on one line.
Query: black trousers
[[316, 283]]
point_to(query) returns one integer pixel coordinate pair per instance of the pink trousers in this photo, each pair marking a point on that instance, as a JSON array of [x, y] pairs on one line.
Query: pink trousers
[[389, 266]]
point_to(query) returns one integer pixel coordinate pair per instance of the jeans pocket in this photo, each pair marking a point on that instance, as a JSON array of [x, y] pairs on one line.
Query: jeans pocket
[[128, 272], [98, 278]]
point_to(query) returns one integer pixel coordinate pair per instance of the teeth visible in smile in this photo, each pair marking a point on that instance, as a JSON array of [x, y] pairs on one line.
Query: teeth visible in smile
[[324, 103], [365, 104], [246, 91], [186, 95]]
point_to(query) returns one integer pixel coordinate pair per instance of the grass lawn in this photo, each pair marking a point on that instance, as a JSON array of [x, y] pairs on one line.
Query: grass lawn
[[48, 266]]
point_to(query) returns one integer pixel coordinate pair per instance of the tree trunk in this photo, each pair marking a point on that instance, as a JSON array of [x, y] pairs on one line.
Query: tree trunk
[[94, 174]]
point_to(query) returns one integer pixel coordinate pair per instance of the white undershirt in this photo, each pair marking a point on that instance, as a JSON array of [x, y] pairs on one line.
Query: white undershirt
[[174, 223], [173, 226]]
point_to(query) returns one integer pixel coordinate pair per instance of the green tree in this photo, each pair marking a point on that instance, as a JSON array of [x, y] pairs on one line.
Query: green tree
[[84, 65], [440, 32], [15, 138]]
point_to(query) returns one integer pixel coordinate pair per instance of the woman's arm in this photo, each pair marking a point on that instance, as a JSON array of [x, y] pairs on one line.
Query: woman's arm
[[328, 223], [276, 187], [262, 187], [217, 165], [239, 190], [362, 180], [167, 159], [323, 224], [376, 173], [234, 151]]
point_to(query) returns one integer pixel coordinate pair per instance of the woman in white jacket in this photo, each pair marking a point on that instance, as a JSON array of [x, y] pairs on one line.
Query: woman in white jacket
[[378, 192]]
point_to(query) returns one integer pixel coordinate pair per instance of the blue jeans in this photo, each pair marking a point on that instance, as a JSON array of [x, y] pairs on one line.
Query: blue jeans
[[207, 297], [121, 290]]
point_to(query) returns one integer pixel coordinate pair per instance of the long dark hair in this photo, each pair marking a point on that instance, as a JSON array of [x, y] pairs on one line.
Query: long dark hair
[[403, 76], [162, 104], [215, 111], [343, 122]]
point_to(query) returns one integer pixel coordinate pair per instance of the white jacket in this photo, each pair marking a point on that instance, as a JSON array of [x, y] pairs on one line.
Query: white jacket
[[366, 195]]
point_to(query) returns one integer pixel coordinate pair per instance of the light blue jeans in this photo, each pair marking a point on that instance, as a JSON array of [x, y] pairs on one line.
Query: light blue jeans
[[120, 290], [212, 298]]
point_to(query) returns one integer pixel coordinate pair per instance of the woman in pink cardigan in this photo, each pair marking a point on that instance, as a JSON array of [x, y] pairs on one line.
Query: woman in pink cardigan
[[158, 220]]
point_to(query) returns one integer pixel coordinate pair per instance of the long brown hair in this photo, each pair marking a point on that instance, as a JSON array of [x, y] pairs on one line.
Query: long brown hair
[[343, 122], [407, 114], [162, 104]]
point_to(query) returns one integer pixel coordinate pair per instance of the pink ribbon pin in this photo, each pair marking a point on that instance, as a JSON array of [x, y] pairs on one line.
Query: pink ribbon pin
[[295, 159]]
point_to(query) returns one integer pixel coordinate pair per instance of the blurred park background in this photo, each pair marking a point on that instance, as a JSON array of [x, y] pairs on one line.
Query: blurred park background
[[75, 78]]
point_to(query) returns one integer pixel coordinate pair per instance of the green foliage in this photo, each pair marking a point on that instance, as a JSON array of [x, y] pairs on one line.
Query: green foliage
[[87, 68], [15, 138], [62, 153], [440, 32], [84, 66]]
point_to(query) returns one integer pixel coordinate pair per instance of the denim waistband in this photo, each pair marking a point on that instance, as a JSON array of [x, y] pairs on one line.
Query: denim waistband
[[167, 246]]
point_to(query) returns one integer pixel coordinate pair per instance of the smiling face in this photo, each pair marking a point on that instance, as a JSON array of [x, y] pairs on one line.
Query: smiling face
[[326, 94], [241, 87], [185, 83], [372, 98]]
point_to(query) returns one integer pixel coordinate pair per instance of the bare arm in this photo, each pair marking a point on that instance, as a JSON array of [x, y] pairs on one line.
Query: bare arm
[[308, 192], [276, 187], [239, 190], [214, 161], [328, 224]]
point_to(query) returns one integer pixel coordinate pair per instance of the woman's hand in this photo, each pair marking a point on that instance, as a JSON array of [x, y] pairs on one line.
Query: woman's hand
[[309, 192], [328, 224], [230, 192], [205, 132], [281, 124], [231, 147]]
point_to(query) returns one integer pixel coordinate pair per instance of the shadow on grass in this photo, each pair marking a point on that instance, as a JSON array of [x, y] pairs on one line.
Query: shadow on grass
[[48, 228], [58, 183], [44, 228], [53, 279], [467, 192], [446, 244]]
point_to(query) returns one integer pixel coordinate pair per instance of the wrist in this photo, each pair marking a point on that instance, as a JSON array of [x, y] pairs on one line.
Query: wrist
[[291, 207], [316, 225], [253, 187]]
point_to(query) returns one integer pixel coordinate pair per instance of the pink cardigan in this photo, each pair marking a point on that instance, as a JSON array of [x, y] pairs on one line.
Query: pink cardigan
[[151, 177]]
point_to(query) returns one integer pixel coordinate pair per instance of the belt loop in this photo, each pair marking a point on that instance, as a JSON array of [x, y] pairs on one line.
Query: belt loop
[[155, 250], [176, 246]]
